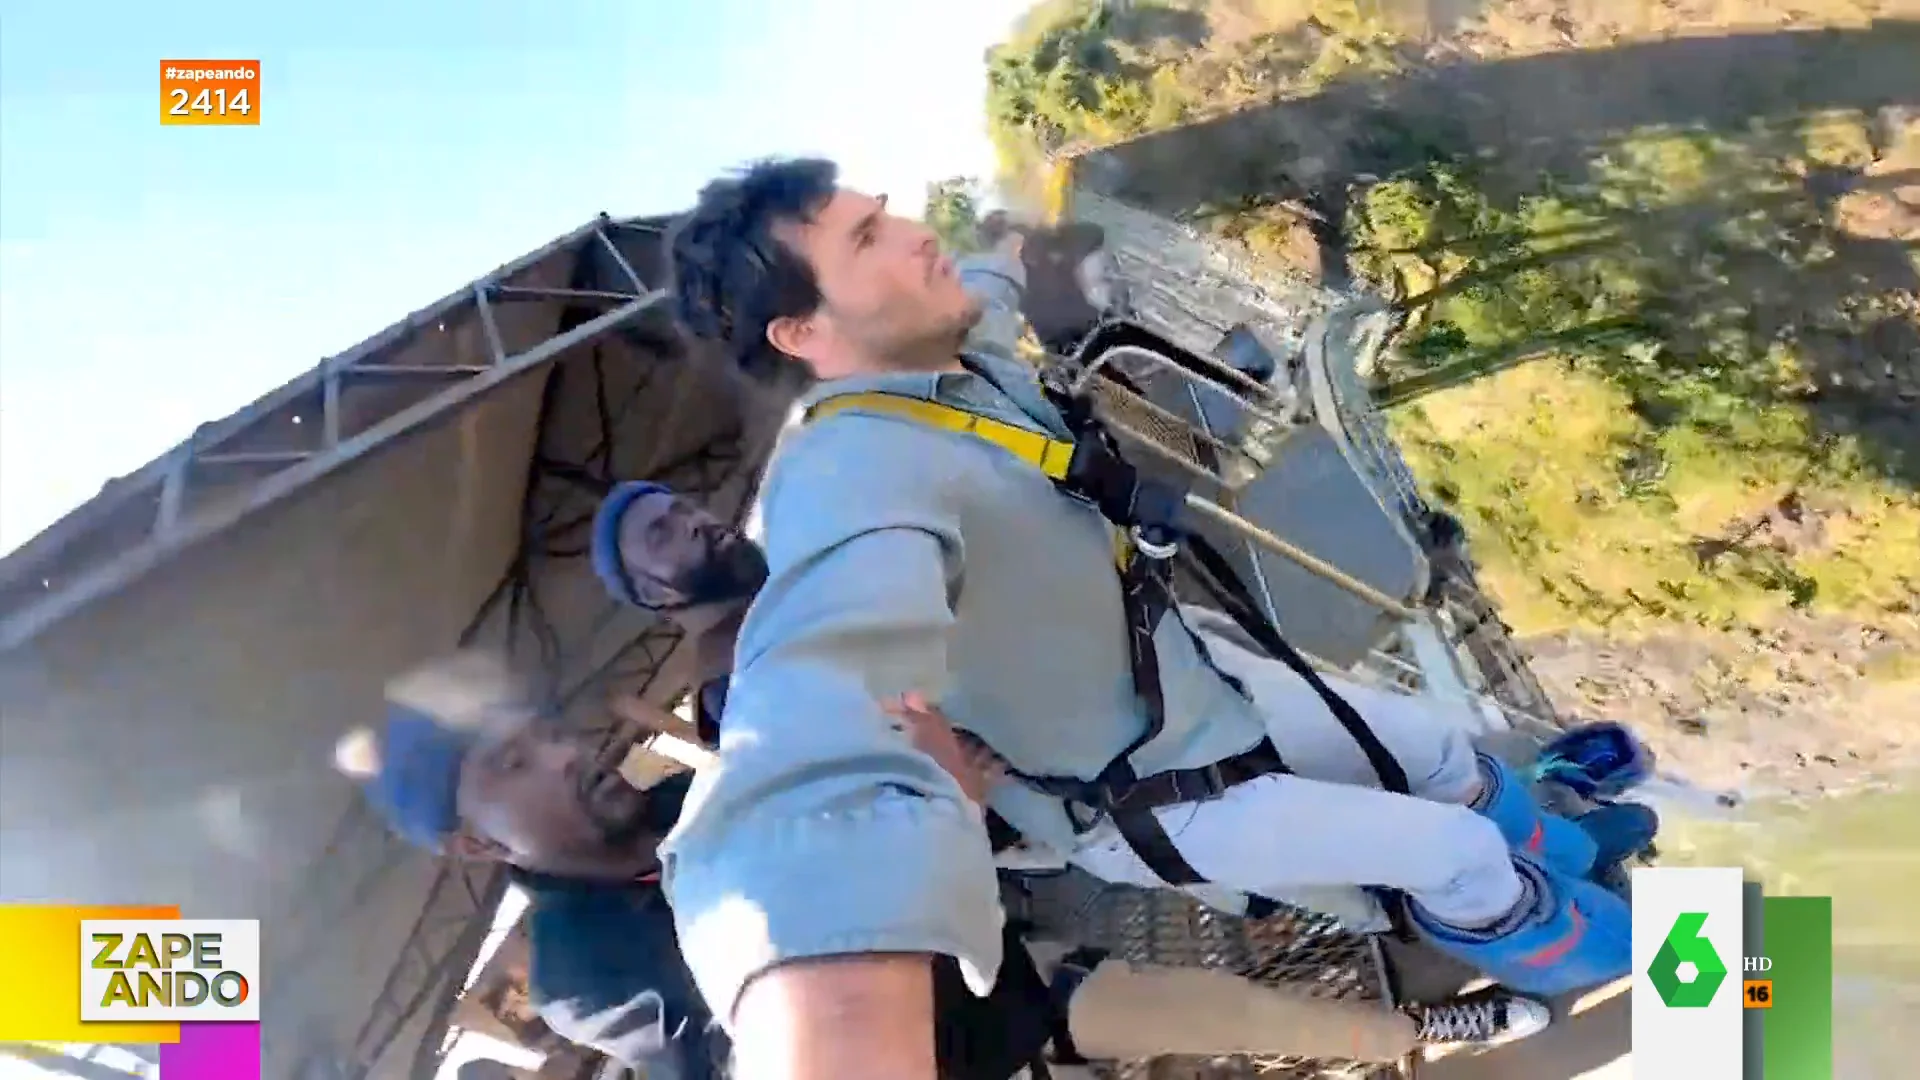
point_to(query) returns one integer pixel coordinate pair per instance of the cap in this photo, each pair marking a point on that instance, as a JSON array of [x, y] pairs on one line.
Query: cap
[[605, 549], [415, 783]]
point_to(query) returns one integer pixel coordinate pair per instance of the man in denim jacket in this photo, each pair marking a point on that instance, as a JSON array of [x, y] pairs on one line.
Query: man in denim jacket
[[822, 860]]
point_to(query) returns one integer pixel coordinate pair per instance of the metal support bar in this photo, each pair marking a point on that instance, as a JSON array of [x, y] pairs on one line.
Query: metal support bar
[[1388, 660], [24, 564], [1173, 457], [1251, 391], [473, 891], [1389, 995], [173, 490], [129, 566], [418, 371], [626, 268], [532, 292], [496, 347], [81, 1067], [330, 408], [1225, 518], [261, 457]]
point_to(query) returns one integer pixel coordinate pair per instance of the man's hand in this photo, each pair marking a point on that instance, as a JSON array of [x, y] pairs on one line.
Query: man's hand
[[645, 716], [977, 768], [998, 233]]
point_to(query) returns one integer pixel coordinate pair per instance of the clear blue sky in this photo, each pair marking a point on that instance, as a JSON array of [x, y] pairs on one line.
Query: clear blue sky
[[154, 278]]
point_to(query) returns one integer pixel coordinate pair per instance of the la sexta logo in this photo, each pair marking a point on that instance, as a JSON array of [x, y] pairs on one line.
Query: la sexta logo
[[1684, 945]]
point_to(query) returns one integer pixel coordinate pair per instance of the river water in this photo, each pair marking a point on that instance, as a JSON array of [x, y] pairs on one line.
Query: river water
[[1864, 851]]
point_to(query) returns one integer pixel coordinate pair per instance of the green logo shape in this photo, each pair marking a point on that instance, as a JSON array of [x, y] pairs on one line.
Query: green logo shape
[[1685, 945]]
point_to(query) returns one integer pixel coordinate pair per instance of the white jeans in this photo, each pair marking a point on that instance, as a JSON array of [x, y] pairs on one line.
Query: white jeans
[[1329, 824]]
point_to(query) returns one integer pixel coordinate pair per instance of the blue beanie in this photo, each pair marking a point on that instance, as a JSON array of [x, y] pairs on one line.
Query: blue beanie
[[605, 549], [417, 788]]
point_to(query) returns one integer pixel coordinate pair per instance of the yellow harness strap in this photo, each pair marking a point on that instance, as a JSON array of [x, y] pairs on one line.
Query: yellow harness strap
[[1050, 456]]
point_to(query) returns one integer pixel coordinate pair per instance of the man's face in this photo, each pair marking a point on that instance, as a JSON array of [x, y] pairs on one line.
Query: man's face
[[681, 555], [890, 299], [549, 801]]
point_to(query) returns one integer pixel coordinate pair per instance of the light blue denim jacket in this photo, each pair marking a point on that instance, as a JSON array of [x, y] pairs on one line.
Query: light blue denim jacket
[[905, 558]]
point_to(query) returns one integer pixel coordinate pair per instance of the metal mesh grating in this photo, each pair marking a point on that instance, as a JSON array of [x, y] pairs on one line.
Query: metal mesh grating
[[1128, 412], [1296, 947]]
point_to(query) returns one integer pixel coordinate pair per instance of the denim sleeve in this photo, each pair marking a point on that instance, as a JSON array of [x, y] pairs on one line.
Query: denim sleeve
[[819, 830], [999, 282]]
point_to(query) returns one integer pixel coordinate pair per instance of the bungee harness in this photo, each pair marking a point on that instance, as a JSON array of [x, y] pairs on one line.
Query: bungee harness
[[1143, 515]]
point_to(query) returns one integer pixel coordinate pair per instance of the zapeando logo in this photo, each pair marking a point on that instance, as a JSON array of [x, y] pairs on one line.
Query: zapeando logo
[[1684, 945]]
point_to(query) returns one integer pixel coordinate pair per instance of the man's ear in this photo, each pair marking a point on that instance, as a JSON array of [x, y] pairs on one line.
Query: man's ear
[[658, 595], [791, 334], [464, 845]]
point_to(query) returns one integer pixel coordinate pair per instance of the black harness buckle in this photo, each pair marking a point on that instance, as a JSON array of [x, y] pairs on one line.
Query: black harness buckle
[[1176, 787], [1204, 784]]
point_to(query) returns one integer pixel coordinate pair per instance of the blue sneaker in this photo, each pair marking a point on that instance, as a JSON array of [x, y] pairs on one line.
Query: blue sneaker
[[1619, 831], [1508, 802], [1571, 934]]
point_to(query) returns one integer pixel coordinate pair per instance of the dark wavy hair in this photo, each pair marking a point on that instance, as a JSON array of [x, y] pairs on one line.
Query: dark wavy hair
[[731, 276]]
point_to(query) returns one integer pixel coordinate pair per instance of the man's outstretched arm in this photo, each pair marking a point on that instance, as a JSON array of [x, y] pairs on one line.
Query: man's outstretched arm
[[822, 860], [998, 280]]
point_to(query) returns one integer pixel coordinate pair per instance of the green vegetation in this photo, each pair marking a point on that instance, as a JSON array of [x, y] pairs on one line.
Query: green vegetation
[[953, 210], [1660, 381], [1586, 514]]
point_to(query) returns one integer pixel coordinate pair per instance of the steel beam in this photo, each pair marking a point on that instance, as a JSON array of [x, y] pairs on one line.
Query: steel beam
[[207, 454], [81, 1062], [172, 535], [123, 491], [434, 960], [561, 491]]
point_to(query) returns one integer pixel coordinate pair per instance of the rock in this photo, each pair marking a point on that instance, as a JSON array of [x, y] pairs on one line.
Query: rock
[[1750, 708]]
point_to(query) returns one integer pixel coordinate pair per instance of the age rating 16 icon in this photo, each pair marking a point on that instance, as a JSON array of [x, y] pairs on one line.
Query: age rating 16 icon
[[208, 93]]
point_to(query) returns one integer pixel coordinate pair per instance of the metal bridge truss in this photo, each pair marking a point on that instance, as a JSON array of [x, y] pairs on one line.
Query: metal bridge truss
[[334, 414], [350, 406], [561, 497], [91, 1061]]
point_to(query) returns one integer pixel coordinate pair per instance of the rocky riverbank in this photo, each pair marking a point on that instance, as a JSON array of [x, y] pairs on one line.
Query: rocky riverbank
[[1803, 708]]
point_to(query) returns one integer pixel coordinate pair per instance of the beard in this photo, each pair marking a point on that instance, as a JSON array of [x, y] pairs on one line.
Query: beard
[[954, 335], [735, 569], [922, 340], [933, 350], [622, 815], [650, 821]]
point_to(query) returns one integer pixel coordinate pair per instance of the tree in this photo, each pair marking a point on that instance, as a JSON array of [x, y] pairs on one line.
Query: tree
[[953, 212]]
